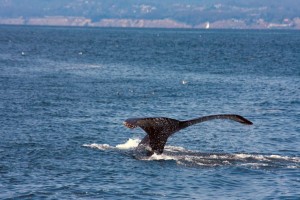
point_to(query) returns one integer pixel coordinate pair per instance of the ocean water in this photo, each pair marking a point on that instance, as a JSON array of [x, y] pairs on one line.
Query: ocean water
[[64, 93]]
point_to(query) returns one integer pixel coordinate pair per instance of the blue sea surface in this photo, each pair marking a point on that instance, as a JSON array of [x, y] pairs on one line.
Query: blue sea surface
[[65, 92]]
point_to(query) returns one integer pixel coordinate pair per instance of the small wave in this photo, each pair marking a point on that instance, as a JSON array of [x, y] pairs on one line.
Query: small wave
[[97, 146]]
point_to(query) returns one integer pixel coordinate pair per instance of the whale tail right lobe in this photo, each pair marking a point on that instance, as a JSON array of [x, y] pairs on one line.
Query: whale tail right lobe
[[237, 118]]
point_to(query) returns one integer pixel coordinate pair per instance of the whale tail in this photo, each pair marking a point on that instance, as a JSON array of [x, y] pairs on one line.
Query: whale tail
[[236, 118], [159, 129]]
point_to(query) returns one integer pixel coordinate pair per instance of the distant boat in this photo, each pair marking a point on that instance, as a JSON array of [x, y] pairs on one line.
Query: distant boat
[[207, 25]]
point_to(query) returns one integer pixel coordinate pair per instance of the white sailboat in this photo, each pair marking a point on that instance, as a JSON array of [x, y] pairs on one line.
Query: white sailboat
[[207, 25]]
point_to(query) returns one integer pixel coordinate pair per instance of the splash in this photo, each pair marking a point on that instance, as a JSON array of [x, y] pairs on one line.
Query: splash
[[130, 144], [186, 157]]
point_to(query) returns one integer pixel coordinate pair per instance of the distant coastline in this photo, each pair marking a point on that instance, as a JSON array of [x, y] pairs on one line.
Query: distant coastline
[[147, 23]]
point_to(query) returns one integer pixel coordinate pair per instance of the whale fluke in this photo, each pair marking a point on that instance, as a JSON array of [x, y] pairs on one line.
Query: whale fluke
[[159, 129]]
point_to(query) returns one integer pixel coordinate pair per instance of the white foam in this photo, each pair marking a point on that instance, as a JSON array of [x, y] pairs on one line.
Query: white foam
[[294, 159], [160, 157], [245, 156], [98, 146], [277, 156], [267, 157], [215, 156], [175, 149], [130, 144], [183, 156], [190, 158], [255, 164], [292, 167]]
